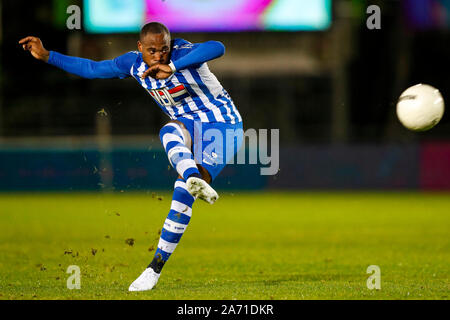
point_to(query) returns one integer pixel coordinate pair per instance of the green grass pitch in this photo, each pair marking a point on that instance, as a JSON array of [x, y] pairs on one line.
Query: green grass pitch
[[283, 245]]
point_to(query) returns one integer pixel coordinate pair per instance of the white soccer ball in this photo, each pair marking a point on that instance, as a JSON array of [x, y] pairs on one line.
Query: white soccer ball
[[420, 107]]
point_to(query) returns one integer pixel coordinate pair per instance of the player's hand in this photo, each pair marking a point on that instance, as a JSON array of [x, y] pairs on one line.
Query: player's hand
[[158, 71], [37, 50]]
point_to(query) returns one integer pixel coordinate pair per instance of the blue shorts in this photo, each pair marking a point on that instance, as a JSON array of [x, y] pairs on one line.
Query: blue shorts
[[214, 144]]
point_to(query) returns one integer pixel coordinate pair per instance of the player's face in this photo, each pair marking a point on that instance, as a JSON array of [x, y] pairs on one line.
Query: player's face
[[155, 48]]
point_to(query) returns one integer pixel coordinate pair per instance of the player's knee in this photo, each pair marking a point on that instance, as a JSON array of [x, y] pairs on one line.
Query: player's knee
[[165, 130]]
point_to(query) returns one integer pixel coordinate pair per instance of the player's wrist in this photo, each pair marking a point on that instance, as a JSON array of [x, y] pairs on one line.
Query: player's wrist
[[45, 56]]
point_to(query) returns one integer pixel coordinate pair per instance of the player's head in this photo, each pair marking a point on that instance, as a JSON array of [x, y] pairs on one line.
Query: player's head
[[154, 43]]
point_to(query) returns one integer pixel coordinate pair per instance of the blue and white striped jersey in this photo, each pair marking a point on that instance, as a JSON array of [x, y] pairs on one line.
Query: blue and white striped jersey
[[193, 93]]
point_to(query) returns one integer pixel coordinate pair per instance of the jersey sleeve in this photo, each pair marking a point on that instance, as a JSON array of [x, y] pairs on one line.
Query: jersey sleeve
[[108, 69], [188, 55]]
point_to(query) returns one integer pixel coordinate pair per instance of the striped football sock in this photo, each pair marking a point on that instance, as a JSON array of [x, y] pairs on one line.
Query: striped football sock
[[174, 226], [180, 156]]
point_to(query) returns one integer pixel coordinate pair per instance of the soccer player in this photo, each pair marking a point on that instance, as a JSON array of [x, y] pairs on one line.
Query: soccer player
[[176, 75]]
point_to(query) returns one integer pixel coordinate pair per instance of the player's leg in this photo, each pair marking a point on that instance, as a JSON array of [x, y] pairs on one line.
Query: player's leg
[[181, 208], [174, 227], [175, 138], [177, 141]]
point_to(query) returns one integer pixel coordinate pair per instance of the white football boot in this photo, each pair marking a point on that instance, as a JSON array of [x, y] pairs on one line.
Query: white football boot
[[199, 188], [146, 281]]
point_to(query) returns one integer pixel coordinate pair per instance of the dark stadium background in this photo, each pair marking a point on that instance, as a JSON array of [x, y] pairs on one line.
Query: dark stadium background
[[332, 94]]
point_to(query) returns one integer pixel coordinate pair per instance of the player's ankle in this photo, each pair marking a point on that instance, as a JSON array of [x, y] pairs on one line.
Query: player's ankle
[[195, 175], [156, 265]]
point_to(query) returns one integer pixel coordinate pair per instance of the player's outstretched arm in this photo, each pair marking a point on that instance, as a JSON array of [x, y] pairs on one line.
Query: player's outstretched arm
[[85, 68], [201, 53]]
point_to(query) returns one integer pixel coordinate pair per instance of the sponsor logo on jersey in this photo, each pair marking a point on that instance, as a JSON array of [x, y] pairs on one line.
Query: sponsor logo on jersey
[[169, 97]]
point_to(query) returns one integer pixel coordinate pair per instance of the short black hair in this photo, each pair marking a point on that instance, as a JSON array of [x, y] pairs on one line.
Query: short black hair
[[154, 28]]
